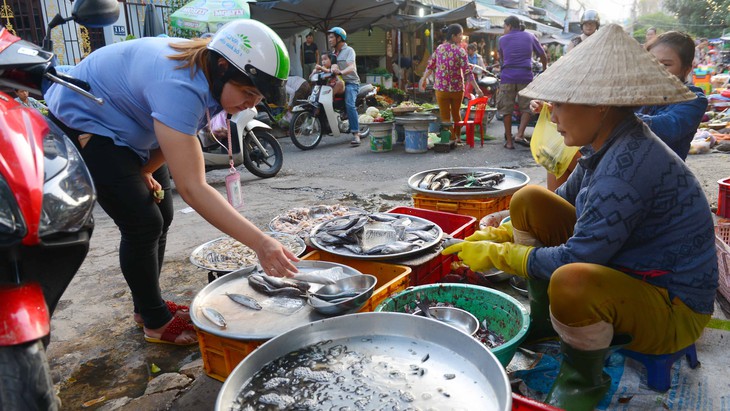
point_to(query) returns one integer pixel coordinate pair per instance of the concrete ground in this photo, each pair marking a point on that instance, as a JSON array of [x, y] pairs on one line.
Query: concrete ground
[[98, 356]]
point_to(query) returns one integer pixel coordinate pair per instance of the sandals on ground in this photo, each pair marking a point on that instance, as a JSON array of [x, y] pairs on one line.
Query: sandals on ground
[[522, 142], [174, 309], [173, 330]]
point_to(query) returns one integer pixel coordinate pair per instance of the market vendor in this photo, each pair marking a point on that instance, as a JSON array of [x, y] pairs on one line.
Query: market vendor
[[625, 248]]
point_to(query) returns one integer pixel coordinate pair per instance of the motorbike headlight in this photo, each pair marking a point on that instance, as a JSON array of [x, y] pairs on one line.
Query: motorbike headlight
[[68, 192], [11, 222]]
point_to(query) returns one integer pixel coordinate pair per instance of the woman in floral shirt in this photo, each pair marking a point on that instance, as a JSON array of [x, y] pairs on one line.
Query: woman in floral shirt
[[450, 65]]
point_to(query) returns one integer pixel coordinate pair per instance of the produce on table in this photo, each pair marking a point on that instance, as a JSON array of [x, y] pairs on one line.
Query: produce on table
[[373, 112]]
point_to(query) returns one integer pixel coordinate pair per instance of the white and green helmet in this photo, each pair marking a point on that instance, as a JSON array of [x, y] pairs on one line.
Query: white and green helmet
[[258, 52]]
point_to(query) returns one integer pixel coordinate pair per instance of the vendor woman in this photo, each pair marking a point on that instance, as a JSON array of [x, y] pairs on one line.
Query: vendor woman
[[625, 248]]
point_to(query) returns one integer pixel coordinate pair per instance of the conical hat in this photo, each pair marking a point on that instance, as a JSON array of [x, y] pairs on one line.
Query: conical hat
[[609, 68]]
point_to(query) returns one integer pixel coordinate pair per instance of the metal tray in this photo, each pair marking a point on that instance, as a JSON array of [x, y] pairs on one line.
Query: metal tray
[[198, 254], [247, 324], [513, 181], [347, 253], [399, 339], [313, 213]]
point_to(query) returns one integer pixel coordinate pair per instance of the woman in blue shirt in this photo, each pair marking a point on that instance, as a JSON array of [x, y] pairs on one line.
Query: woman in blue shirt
[[158, 93]]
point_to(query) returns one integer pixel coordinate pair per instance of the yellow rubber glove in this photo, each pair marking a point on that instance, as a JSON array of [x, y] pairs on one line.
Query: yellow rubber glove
[[501, 234], [485, 255]]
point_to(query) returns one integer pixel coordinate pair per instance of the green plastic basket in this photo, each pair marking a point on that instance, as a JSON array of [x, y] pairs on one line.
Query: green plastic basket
[[504, 315]]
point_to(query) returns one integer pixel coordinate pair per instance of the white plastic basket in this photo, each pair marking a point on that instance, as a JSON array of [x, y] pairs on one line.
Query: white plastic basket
[[722, 245]]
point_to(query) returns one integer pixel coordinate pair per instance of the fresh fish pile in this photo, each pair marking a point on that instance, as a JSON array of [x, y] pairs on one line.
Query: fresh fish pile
[[277, 286], [379, 234], [300, 220], [227, 254], [461, 182]]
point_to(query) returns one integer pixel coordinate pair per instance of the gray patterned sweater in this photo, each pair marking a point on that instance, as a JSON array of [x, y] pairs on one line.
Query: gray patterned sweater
[[641, 211]]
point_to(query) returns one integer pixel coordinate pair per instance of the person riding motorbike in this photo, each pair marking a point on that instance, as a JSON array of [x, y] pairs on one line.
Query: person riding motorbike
[[347, 68], [590, 22], [623, 253], [159, 93]]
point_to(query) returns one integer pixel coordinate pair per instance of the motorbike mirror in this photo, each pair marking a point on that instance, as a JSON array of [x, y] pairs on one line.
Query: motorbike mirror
[[95, 13]]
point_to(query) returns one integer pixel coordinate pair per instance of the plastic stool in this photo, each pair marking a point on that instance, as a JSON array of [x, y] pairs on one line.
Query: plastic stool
[[659, 367]]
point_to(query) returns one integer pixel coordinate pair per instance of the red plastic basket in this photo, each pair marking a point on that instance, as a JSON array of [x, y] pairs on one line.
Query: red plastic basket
[[723, 198], [520, 403], [456, 225]]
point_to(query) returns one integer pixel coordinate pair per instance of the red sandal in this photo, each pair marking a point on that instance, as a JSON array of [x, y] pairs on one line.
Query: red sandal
[[178, 311], [173, 330]]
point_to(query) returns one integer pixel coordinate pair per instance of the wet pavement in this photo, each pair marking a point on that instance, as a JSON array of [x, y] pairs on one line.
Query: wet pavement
[[98, 355]]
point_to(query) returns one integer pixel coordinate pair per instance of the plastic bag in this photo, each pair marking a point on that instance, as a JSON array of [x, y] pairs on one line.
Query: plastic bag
[[547, 146]]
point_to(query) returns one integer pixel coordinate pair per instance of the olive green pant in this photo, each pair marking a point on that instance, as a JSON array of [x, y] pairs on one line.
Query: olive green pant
[[583, 294]]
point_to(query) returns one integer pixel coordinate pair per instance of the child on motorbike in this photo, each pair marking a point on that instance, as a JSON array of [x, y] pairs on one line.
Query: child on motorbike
[[158, 93], [336, 82]]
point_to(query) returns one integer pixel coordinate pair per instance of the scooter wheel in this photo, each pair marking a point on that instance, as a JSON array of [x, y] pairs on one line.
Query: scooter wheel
[[264, 163], [25, 380], [305, 130]]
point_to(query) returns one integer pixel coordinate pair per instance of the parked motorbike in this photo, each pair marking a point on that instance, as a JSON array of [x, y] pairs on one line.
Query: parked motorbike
[[488, 83], [253, 145], [322, 114], [46, 202]]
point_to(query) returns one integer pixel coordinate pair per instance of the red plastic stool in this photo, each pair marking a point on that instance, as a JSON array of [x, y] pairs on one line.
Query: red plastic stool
[[659, 367]]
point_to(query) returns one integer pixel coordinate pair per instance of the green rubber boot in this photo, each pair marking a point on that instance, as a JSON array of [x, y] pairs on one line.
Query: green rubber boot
[[541, 328], [581, 383]]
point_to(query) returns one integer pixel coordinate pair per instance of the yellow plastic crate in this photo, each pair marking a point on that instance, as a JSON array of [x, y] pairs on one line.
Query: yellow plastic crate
[[222, 355], [477, 208], [392, 278]]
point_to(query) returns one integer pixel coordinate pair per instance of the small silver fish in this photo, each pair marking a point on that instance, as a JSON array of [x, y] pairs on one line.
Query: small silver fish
[[215, 317], [245, 301]]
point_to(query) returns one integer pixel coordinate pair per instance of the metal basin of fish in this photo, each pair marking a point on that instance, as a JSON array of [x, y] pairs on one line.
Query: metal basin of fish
[[300, 220], [225, 254], [277, 314], [513, 181], [345, 295], [420, 362], [462, 320], [341, 236]]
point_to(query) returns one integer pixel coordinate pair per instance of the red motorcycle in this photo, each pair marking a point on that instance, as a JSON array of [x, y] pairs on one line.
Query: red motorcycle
[[46, 202]]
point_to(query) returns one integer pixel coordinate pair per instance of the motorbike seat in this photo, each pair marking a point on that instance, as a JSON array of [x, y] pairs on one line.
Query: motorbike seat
[[364, 90], [487, 81]]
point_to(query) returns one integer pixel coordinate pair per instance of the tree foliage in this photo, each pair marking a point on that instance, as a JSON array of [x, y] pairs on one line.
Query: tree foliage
[[174, 31], [703, 18], [661, 21]]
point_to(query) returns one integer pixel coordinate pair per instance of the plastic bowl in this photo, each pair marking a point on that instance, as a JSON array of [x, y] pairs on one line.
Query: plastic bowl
[[462, 320], [503, 314], [363, 284]]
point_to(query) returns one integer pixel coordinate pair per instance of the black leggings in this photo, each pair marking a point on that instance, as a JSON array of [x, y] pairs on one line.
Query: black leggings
[[143, 224]]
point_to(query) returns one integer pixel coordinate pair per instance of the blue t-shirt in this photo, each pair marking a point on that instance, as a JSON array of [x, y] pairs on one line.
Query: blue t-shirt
[[640, 211], [676, 124], [515, 50], [138, 84]]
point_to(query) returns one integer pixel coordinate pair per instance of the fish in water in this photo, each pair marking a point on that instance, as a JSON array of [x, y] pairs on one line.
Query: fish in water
[[215, 317], [245, 301]]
